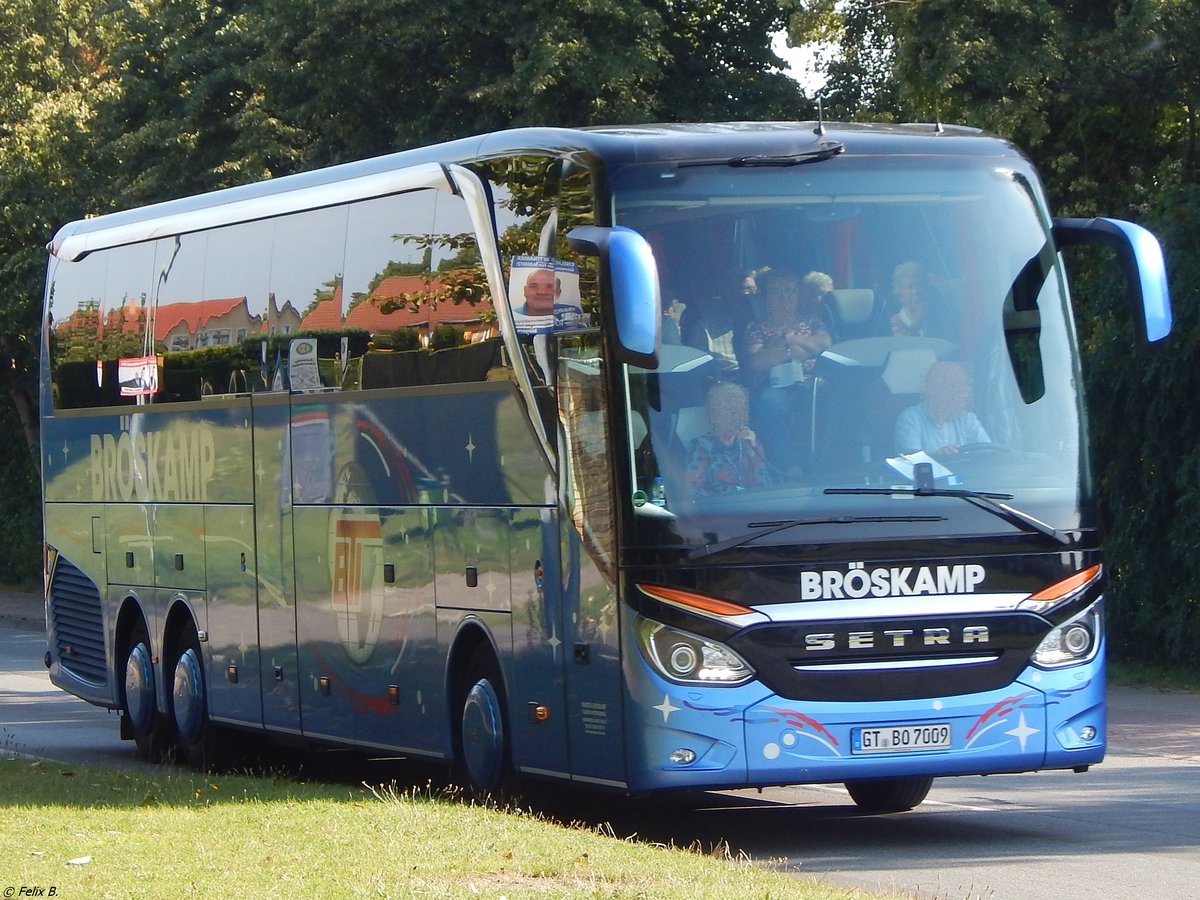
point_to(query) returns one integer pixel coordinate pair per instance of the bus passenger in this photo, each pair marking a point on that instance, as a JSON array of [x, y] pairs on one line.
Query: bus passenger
[[918, 310], [942, 423], [727, 457], [717, 323], [782, 348]]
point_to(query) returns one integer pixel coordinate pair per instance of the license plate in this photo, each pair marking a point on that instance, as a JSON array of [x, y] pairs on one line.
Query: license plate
[[900, 738]]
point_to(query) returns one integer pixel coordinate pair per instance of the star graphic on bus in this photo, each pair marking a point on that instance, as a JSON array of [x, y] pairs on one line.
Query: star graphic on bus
[[1023, 732], [666, 707]]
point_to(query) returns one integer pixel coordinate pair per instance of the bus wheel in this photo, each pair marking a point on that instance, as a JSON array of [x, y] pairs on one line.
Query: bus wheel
[[189, 703], [484, 759], [888, 795], [138, 704]]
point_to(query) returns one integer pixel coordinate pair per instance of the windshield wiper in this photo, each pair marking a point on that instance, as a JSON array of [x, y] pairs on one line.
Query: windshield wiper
[[823, 151], [827, 150], [783, 524], [988, 501]]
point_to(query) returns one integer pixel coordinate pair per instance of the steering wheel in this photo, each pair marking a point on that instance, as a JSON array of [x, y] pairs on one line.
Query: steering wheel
[[980, 448]]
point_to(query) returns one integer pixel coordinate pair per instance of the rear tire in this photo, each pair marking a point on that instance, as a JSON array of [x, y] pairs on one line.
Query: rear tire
[[889, 795], [189, 703], [139, 699], [484, 754]]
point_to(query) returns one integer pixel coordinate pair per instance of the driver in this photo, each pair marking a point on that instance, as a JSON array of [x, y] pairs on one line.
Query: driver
[[942, 423]]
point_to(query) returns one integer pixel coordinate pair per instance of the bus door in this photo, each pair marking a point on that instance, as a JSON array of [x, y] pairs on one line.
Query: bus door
[[588, 541], [273, 527]]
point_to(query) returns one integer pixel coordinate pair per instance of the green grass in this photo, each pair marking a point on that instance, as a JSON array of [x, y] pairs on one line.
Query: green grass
[[92, 832], [1148, 675]]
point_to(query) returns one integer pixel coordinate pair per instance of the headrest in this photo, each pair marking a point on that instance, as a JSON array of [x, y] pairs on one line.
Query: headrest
[[854, 305], [904, 371]]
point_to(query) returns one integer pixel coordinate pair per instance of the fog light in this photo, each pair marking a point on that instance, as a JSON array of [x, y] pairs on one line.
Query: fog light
[[1087, 732], [683, 756]]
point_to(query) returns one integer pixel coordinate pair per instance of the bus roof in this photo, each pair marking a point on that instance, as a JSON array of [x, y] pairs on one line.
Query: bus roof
[[614, 144]]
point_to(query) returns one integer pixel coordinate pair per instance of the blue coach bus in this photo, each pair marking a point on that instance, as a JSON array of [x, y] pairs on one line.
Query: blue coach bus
[[645, 458]]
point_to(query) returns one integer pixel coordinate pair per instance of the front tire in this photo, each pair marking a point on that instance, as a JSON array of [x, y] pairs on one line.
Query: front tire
[[889, 795], [484, 757]]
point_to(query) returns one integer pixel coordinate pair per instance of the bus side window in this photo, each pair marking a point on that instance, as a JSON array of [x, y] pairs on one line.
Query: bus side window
[[415, 285], [99, 310]]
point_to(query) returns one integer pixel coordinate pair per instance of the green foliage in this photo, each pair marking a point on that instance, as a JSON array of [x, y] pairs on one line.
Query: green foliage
[[445, 337], [20, 510], [104, 106], [1146, 435], [860, 67], [184, 116], [400, 339], [1104, 96]]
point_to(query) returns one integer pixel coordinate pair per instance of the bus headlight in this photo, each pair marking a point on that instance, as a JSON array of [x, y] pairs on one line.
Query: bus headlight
[[688, 658], [1074, 641]]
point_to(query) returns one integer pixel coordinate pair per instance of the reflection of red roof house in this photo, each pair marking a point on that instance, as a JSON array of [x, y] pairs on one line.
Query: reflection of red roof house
[[206, 323], [368, 315], [87, 317], [184, 325], [195, 316], [281, 321], [327, 314]]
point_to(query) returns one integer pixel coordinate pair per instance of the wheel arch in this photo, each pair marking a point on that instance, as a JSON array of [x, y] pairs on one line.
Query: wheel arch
[[130, 613], [179, 617], [472, 635]]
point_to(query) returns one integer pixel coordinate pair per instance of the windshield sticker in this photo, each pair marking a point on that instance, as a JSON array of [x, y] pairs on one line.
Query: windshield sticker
[[545, 294]]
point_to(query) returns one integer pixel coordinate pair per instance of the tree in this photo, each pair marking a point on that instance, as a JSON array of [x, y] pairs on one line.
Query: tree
[[183, 116], [51, 74], [857, 41], [1103, 95], [719, 63], [365, 77]]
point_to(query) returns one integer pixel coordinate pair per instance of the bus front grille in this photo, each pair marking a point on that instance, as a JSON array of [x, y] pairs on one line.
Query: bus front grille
[[77, 621]]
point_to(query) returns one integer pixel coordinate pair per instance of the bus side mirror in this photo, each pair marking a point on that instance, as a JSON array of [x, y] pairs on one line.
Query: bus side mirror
[[633, 279], [1141, 259]]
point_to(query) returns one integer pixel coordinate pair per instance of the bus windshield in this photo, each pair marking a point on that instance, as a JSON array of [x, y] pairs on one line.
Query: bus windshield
[[854, 349]]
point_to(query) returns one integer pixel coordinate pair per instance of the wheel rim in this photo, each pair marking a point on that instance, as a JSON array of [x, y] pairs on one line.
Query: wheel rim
[[189, 696], [483, 735], [139, 687]]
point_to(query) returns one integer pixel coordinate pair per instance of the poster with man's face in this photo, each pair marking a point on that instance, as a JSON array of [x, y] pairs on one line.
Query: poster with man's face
[[545, 295]]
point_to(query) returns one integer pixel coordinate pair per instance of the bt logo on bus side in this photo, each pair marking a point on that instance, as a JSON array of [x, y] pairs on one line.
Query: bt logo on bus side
[[356, 545], [890, 581]]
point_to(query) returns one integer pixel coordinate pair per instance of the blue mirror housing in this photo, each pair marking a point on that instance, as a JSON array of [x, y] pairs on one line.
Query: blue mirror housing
[[633, 281], [1141, 259]]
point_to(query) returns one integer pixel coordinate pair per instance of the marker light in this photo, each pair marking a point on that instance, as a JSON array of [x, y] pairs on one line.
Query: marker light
[[1049, 597], [709, 606]]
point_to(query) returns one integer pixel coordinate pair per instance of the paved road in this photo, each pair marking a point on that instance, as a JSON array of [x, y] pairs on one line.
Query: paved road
[[1129, 828]]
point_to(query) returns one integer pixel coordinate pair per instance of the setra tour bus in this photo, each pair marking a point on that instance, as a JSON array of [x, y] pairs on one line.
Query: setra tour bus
[[647, 458]]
